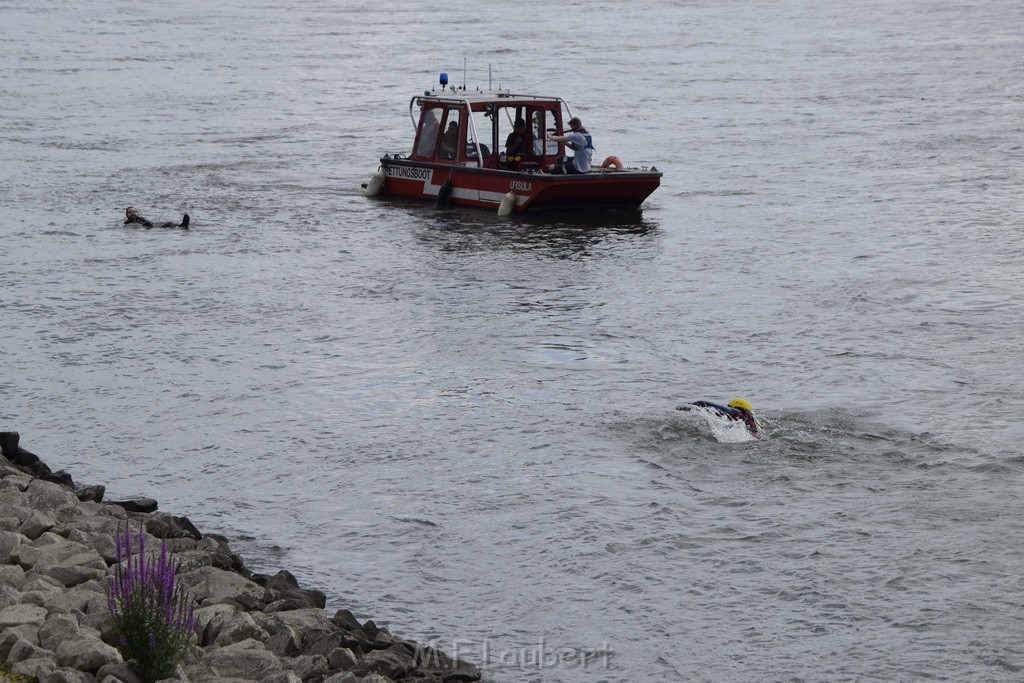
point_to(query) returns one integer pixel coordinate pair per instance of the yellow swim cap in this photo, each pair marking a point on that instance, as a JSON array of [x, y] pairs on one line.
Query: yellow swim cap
[[741, 403]]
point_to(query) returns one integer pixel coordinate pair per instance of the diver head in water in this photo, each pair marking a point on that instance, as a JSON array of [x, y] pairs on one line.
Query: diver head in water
[[132, 216]]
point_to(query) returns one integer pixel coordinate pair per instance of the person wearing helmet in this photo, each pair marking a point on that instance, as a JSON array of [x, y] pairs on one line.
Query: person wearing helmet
[[737, 409]]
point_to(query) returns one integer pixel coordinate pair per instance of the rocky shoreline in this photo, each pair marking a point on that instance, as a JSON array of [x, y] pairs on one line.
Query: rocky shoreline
[[56, 560]]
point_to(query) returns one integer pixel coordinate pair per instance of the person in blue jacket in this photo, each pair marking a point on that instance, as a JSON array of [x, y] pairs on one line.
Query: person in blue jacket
[[737, 409], [579, 140]]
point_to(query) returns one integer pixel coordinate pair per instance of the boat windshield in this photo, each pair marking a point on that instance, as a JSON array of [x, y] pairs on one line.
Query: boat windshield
[[427, 137]]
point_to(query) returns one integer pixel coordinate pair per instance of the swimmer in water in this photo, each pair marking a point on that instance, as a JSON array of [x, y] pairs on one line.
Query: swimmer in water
[[737, 409], [132, 216]]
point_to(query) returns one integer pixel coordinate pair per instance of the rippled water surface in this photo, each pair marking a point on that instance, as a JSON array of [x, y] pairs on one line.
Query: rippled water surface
[[462, 426]]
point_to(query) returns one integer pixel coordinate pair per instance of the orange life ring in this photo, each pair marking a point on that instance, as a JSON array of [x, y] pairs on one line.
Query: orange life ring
[[613, 162]]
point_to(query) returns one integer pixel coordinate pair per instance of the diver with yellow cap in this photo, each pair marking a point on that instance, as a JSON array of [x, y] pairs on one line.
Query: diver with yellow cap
[[737, 409]]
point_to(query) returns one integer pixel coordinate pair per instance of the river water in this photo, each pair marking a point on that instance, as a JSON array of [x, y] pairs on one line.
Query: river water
[[463, 426]]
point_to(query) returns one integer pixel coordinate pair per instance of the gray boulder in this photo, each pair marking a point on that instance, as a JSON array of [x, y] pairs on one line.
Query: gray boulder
[[24, 650], [311, 622], [86, 654], [16, 615], [11, 575], [78, 569], [36, 524], [341, 659], [28, 632], [212, 586], [17, 481], [376, 678], [346, 677], [282, 677], [100, 542], [9, 595], [101, 514], [136, 504], [347, 621], [117, 672], [48, 496], [7, 640], [35, 667], [56, 629], [66, 676], [233, 628], [247, 644], [163, 525], [84, 599], [285, 641], [247, 664], [9, 540], [92, 494], [309, 667], [44, 551], [321, 643], [204, 616], [219, 552], [387, 663]]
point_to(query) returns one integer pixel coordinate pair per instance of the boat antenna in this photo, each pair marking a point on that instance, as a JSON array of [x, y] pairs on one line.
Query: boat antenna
[[463, 73], [489, 85]]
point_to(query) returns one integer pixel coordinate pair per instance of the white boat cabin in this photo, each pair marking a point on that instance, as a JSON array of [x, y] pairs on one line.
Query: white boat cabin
[[471, 129]]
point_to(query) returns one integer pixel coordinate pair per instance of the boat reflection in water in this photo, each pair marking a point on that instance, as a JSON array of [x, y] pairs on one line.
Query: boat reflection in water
[[558, 233]]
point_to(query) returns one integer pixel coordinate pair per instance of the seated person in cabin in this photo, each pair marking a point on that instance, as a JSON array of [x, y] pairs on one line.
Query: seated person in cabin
[[450, 141], [582, 145], [515, 143]]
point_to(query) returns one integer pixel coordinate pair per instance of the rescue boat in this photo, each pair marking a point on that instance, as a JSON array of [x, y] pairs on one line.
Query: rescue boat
[[458, 157]]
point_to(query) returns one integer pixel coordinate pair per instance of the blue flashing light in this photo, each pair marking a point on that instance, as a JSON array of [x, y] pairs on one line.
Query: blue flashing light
[[444, 79]]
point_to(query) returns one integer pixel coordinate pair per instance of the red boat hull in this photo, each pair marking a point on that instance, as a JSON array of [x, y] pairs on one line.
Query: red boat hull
[[533, 191]]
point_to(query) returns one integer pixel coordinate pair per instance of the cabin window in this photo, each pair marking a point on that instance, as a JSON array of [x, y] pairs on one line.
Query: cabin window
[[543, 122], [450, 137], [485, 129], [507, 118], [429, 127]]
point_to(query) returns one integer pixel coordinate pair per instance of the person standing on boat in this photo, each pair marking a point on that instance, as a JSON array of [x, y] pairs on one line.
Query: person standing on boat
[[738, 409], [582, 145]]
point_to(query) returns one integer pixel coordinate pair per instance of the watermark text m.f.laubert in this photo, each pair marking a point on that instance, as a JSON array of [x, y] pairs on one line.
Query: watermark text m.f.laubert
[[541, 656]]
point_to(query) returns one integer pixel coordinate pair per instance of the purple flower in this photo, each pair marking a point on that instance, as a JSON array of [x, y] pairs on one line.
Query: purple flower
[[153, 616]]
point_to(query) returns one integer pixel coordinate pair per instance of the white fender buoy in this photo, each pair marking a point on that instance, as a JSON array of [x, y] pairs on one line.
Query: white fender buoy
[[507, 203], [372, 188]]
